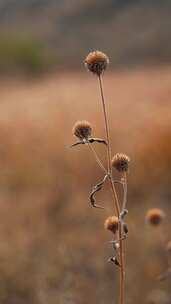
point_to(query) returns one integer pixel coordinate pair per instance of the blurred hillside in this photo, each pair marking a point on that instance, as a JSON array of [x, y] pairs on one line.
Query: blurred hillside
[[131, 31]]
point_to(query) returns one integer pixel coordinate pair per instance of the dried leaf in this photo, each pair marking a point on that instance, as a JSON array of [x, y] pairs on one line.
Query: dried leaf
[[97, 188], [115, 261], [77, 143], [97, 140]]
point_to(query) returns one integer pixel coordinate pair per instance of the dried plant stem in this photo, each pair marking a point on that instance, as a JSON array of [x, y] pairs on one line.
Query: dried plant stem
[[124, 191], [99, 162], [116, 201], [109, 156], [121, 247], [115, 197], [122, 263], [124, 207]]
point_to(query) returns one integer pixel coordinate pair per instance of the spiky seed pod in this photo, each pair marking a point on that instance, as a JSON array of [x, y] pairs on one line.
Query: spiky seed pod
[[121, 162], [112, 223], [155, 216], [168, 247], [96, 62], [82, 129]]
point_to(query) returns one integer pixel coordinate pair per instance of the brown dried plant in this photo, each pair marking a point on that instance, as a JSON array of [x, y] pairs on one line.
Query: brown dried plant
[[155, 217], [97, 62]]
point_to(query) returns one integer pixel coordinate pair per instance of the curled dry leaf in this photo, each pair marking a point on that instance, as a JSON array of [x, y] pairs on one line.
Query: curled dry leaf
[[97, 188]]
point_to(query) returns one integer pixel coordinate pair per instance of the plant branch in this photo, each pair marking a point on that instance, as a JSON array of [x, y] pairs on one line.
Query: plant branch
[[109, 156], [116, 201], [99, 162]]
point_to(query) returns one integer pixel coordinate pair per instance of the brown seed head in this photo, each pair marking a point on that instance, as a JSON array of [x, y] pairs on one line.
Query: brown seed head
[[96, 62], [82, 129], [121, 162], [111, 223], [155, 216], [168, 247]]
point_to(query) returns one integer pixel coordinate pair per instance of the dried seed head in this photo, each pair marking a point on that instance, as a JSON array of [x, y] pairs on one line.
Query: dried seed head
[[121, 162], [112, 223], [155, 216], [96, 62], [82, 129], [168, 247]]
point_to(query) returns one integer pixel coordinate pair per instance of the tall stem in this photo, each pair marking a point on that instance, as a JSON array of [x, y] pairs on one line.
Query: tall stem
[[122, 263], [109, 154], [124, 207], [121, 246], [116, 201]]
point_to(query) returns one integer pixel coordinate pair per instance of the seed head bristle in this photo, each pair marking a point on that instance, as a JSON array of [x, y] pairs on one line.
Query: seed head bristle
[[112, 223], [121, 162], [82, 129], [96, 62], [155, 216]]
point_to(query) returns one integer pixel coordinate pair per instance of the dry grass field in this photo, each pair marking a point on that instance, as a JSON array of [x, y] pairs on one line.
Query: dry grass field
[[53, 247]]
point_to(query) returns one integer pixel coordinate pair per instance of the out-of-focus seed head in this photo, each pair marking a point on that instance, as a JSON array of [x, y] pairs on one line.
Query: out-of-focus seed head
[[121, 162], [168, 247], [82, 129], [96, 62], [155, 216], [112, 223]]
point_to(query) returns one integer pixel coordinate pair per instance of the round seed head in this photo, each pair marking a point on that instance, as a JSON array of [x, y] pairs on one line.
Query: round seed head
[[168, 247], [96, 62], [112, 223], [82, 129], [155, 216], [121, 162]]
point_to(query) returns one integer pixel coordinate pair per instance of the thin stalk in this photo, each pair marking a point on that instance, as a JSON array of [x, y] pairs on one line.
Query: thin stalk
[[109, 153], [124, 191], [109, 156], [99, 162], [115, 197], [122, 262], [121, 248], [123, 255], [116, 201]]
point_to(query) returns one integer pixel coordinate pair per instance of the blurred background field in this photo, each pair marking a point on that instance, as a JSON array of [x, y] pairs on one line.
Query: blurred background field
[[47, 34], [53, 247]]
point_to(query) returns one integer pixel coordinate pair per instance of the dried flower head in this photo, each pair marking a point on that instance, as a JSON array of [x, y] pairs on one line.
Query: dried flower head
[[121, 162], [168, 247], [96, 62], [112, 223], [82, 129], [155, 216]]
